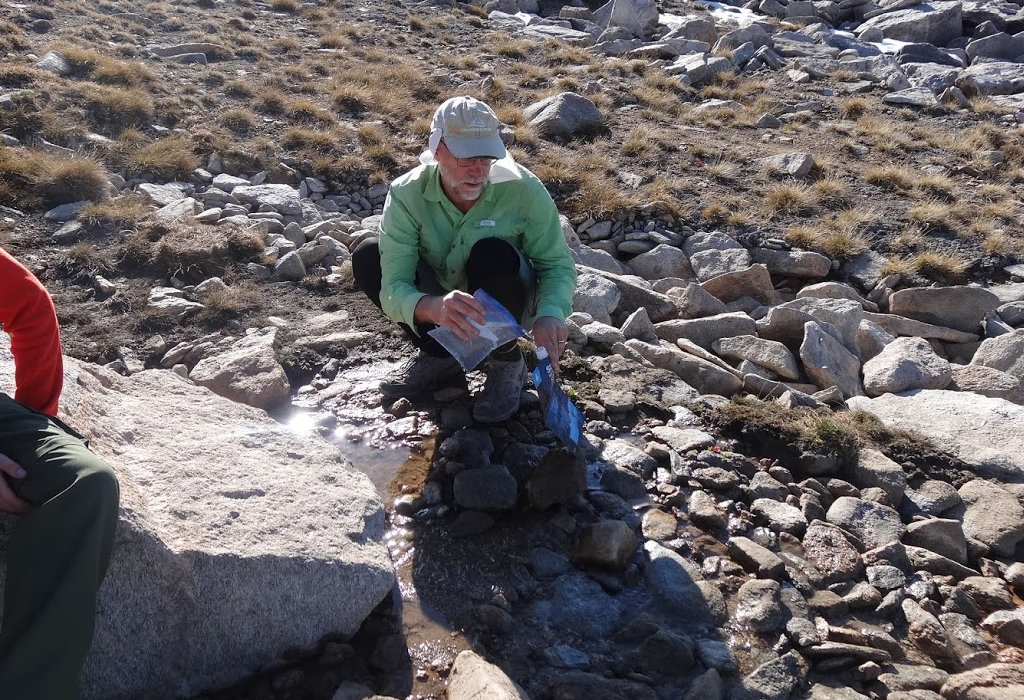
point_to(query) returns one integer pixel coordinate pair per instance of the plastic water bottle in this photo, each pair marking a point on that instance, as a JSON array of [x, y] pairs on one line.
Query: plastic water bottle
[[560, 414]]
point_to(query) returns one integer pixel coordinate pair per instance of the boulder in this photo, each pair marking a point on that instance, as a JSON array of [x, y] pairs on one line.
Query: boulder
[[564, 116], [906, 363], [962, 307], [248, 372], [985, 433], [237, 539], [935, 23]]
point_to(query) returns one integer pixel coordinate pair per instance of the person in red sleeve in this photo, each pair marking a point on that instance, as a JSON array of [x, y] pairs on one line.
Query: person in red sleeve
[[65, 500]]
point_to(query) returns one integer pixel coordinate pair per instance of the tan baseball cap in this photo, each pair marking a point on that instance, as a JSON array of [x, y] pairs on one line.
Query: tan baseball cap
[[469, 128]]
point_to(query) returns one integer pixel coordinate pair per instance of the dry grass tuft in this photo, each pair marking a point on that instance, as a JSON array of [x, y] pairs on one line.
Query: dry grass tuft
[[52, 179], [1003, 243], [239, 121], [192, 252], [934, 214], [790, 200], [170, 158], [839, 236], [114, 109], [942, 267], [100, 68], [114, 214], [889, 178]]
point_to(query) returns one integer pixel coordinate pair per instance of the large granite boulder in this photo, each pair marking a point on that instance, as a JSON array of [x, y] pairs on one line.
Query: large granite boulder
[[237, 539], [985, 433]]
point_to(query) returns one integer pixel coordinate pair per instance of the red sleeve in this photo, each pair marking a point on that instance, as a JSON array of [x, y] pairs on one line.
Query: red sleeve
[[28, 316]]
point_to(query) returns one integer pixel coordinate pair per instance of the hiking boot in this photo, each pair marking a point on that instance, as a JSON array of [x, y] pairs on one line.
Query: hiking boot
[[500, 396], [420, 374]]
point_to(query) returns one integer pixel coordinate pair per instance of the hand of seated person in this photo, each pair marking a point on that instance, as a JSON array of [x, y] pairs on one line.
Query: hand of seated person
[[9, 501]]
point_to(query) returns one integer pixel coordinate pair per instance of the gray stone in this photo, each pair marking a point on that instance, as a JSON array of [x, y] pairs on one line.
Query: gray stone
[[486, 488], [961, 308], [874, 524], [986, 433], [194, 488], [563, 116], [473, 677], [828, 363], [990, 514], [247, 372]]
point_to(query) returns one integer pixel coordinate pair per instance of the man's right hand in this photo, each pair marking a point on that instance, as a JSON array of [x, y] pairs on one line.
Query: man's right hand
[[9, 501], [452, 311]]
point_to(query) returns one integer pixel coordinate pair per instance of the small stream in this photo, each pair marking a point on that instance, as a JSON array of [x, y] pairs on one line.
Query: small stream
[[396, 454]]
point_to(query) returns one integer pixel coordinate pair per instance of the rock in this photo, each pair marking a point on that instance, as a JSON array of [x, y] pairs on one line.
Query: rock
[[773, 680], [961, 308], [705, 331], [608, 544], [905, 364], [990, 514], [680, 585], [563, 116], [704, 376], [666, 652], [781, 517], [792, 263], [831, 553], [486, 488], [558, 478], [579, 604], [707, 686], [283, 199], [660, 262], [942, 536], [194, 488], [933, 497], [1003, 681], [828, 363], [985, 433], [756, 559], [752, 281], [992, 78], [171, 301], [935, 23], [1007, 626], [874, 524], [247, 372], [769, 354], [579, 684], [473, 677], [758, 605], [792, 164], [925, 631], [1004, 353], [905, 677], [987, 381], [875, 469], [596, 296], [290, 267]]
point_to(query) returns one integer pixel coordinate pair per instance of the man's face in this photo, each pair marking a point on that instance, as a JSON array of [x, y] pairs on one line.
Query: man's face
[[463, 177]]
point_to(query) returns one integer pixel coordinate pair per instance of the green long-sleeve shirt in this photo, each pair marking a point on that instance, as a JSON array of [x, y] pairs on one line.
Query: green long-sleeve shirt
[[420, 222]]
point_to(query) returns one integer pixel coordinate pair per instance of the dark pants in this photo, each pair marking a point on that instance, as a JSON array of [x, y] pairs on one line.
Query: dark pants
[[493, 265], [57, 555]]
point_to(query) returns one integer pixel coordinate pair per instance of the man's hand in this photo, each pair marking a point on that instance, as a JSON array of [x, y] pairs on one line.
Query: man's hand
[[9, 502], [552, 334], [452, 311]]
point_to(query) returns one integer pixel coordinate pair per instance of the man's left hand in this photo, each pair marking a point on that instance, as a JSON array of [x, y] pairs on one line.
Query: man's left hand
[[9, 501], [551, 333]]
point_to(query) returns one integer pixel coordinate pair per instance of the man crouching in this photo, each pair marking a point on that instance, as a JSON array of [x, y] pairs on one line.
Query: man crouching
[[468, 218]]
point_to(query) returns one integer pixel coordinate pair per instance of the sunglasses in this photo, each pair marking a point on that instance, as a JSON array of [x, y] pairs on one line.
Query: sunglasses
[[486, 161]]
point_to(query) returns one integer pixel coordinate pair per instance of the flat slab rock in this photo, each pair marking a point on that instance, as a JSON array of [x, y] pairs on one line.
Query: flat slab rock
[[237, 539], [983, 432]]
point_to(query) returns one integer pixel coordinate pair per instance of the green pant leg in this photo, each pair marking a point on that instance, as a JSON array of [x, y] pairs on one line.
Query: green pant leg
[[57, 555]]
